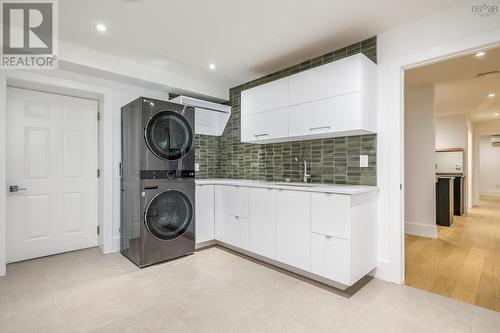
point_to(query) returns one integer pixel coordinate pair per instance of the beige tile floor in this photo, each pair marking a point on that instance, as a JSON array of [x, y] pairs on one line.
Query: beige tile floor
[[211, 291]]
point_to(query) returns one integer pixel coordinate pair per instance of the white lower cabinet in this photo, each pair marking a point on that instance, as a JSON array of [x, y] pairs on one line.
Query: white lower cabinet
[[330, 235], [205, 213], [293, 227], [331, 258], [262, 222], [230, 227]]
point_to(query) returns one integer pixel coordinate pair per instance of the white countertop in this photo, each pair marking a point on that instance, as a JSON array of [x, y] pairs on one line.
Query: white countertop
[[310, 187]]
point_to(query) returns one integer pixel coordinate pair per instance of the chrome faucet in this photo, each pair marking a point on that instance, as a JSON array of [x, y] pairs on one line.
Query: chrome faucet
[[307, 177]]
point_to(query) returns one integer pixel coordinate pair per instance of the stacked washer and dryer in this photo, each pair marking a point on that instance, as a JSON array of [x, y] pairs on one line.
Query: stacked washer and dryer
[[157, 183]]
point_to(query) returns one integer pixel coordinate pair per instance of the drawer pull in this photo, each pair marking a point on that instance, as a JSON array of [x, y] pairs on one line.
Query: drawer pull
[[319, 128]]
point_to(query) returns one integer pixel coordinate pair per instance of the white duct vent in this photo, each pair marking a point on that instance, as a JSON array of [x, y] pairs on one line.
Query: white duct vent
[[210, 118], [495, 140]]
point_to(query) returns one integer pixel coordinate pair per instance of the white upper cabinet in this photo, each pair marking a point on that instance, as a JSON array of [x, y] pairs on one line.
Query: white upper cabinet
[[336, 99], [338, 114], [265, 126], [269, 96], [333, 79]]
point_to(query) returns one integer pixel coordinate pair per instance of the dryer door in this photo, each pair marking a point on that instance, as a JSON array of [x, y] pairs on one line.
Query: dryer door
[[168, 215], [168, 135]]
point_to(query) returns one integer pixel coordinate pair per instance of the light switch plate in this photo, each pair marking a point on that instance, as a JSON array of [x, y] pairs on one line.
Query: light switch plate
[[363, 161], [197, 167]]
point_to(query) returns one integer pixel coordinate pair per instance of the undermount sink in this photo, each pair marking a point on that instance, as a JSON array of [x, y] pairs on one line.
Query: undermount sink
[[296, 184]]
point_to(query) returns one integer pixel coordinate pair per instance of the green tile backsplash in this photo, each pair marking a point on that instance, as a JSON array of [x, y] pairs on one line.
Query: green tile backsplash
[[334, 160]]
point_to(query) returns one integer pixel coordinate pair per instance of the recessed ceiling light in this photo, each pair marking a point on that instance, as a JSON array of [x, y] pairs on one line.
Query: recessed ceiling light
[[211, 67], [480, 54], [491, 95], [101, 27], [496, 114]]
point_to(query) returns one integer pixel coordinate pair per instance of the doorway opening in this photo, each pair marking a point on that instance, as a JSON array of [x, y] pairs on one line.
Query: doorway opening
[[51, 172], [452, 183]]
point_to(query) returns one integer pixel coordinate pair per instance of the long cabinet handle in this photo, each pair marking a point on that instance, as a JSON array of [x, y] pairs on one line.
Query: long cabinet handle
[[259, 135], [319, 127]]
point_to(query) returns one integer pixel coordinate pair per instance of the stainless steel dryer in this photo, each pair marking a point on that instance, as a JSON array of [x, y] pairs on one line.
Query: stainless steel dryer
[[161, 135], [163, 225]]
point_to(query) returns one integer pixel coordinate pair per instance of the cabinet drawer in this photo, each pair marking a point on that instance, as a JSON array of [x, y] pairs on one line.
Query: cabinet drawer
[[269, 96], [334, 114], [331, 214], [264, 126], [331, 258]]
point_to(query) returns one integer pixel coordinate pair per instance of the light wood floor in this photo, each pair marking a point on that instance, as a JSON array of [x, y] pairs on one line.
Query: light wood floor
[[464, 262]]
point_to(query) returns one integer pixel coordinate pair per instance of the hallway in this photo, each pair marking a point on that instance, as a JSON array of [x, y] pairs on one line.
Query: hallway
[[464, 262]]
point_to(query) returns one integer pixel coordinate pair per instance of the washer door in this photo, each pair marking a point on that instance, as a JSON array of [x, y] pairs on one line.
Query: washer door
[[169, 214], [168, 135]]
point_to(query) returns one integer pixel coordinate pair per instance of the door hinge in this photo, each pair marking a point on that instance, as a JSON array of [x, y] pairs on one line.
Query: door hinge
[[98, 230], [98, 116], [401, 187], [98, 173]]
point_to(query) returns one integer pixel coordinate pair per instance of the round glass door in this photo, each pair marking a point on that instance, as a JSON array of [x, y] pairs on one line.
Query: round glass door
[[169, 135], [169, 214]]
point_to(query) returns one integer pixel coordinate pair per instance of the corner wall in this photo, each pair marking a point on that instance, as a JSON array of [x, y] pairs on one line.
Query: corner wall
[[420, 188]]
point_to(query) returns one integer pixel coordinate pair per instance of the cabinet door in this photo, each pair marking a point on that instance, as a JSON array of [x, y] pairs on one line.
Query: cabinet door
[[229, 228], [335, 114], [337, 78], [223, 225], [262, 222], [237, 200], [293, 227], [331, 214], [204, 213], [269, 96], [331, 258], [264, 126]]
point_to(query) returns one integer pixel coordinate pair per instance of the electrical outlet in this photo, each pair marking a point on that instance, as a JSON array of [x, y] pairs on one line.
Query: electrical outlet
[[363, 161], [197, 167]]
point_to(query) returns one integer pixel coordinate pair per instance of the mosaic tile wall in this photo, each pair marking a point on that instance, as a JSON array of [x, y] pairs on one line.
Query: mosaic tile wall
[[333, 160]]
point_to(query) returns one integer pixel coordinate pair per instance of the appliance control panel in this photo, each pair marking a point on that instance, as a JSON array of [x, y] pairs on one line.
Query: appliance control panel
[[167, 174]]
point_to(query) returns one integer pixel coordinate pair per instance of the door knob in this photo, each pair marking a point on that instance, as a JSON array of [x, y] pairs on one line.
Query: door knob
[[16, 188]]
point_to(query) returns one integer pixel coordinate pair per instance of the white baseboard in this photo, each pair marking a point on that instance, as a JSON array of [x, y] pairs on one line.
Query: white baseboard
[[382, 270], [490, 193], [116, 243], [423, 230]]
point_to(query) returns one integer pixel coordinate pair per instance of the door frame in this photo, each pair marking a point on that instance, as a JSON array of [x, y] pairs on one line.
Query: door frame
[[396, 132], [51, 84]]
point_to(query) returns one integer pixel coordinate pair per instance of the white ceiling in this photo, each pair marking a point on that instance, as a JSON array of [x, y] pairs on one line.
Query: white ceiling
[[245, 39], [458, 90]]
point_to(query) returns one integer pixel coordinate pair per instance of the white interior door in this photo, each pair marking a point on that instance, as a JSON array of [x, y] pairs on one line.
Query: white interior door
[[52, 158]]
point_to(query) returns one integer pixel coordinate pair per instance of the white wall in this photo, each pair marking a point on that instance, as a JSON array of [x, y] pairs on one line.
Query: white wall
[[480, 130], [489, 167], [434, 37], [420, 188], [453, 132]]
